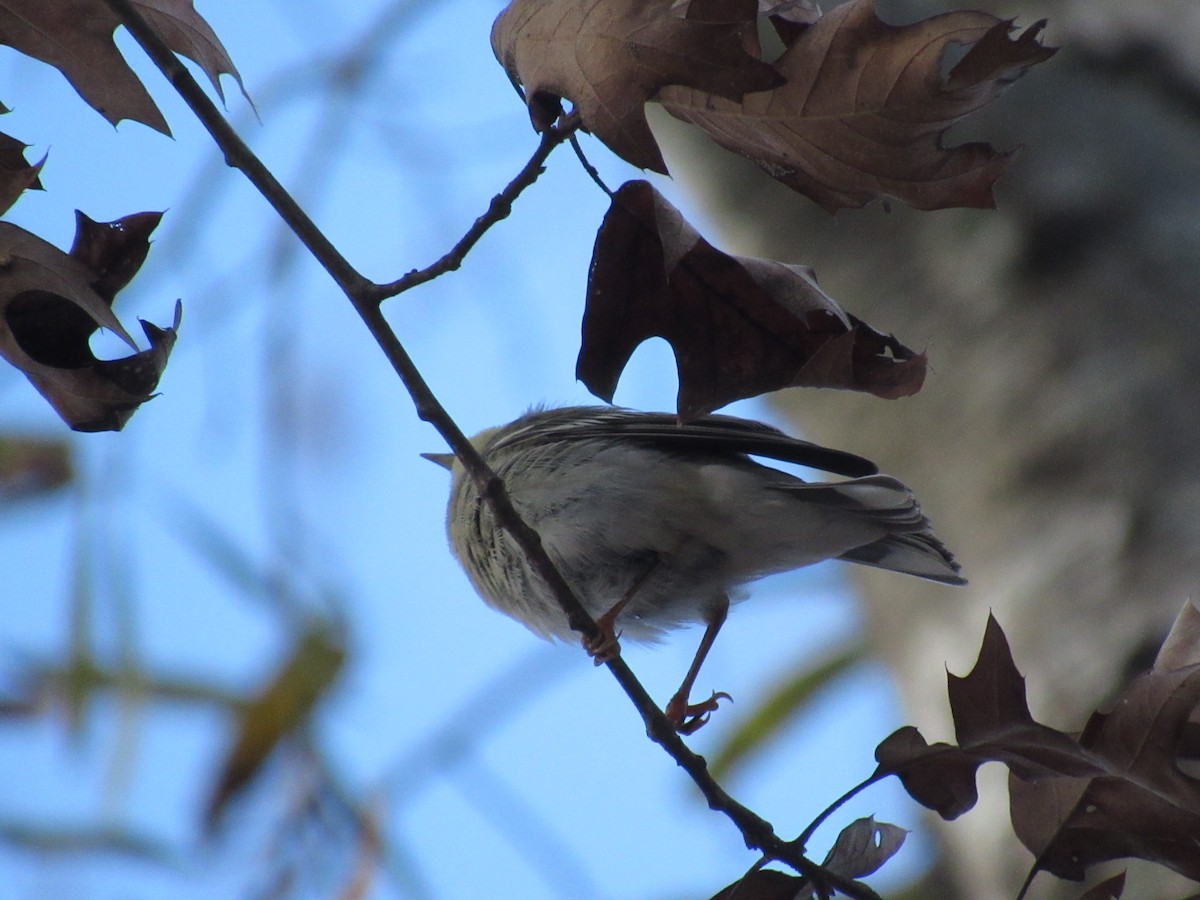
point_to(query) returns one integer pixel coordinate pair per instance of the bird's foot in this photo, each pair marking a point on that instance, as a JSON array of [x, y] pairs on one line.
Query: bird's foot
[[605, 646], [691, 717]]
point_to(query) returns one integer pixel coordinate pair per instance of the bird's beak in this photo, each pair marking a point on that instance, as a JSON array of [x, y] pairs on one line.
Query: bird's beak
[[445, 460]]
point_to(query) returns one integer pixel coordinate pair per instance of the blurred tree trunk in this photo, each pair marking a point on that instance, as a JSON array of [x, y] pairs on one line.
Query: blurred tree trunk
[[1056, 444]]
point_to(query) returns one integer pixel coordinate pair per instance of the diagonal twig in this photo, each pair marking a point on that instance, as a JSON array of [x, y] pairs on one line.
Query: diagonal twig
[[498, 209]]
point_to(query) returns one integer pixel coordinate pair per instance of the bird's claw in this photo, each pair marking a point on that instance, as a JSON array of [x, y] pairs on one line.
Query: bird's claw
[[691, 717], [605, 646]]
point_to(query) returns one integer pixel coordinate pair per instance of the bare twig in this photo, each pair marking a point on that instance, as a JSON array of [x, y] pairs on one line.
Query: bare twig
[[497, 210], [591, 170], [365, 296]]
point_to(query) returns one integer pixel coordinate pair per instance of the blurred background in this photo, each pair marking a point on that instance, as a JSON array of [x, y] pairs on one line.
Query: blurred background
[[262, 546]]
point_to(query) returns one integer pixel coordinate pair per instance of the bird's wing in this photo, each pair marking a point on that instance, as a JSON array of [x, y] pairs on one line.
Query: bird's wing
[[710, 434]]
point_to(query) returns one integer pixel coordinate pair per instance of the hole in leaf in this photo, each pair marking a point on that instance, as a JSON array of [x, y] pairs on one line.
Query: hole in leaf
[[51, 329]]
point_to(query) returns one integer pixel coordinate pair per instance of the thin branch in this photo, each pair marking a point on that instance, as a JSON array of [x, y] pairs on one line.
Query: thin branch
[[497, 210], [591, 170], [364, 295]]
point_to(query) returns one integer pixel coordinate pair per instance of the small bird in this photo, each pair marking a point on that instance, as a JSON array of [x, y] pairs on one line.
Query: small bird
[[656, 525]]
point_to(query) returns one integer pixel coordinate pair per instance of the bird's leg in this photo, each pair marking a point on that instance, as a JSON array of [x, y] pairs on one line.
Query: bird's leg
[[688, 717], [605, 645]]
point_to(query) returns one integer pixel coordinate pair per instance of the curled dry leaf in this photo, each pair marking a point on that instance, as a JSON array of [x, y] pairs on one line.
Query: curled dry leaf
[[991, 722], [739, 326], [866, 105], [1142, 804], [608, 57], [52, 302], [76, 37]]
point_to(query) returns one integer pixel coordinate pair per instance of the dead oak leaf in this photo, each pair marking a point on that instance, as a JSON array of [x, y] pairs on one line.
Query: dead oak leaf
[[17, 174], [992, 722], [113, 251], [866, 104], [939, 776], [739, 326], [52, 302], [608, 57], [76, 37], [1142, 804]]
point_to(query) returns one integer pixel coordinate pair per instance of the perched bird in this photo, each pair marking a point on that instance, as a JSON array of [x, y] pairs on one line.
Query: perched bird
[[656, 525]]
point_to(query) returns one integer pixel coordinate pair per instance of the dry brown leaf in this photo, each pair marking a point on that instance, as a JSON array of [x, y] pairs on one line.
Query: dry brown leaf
[[608, 57], [991, 722], [939, 776], [866, 105], [17, 175], [1115, 791], [1142, 804], [76, 37], [113, 251], [739, 326], [52, 302]]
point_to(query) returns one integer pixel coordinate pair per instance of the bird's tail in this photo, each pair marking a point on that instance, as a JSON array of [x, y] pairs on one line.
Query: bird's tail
[[919, 553], [910, 547]]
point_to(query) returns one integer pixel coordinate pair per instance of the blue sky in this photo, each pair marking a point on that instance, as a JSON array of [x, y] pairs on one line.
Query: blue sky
[[281, 424]]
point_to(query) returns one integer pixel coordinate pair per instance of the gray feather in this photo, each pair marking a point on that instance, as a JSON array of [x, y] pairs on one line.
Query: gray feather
[[623, 499]]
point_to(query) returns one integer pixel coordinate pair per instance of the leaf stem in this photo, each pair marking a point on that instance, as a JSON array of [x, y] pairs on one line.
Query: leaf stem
[[591, 170], [806, 835]]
